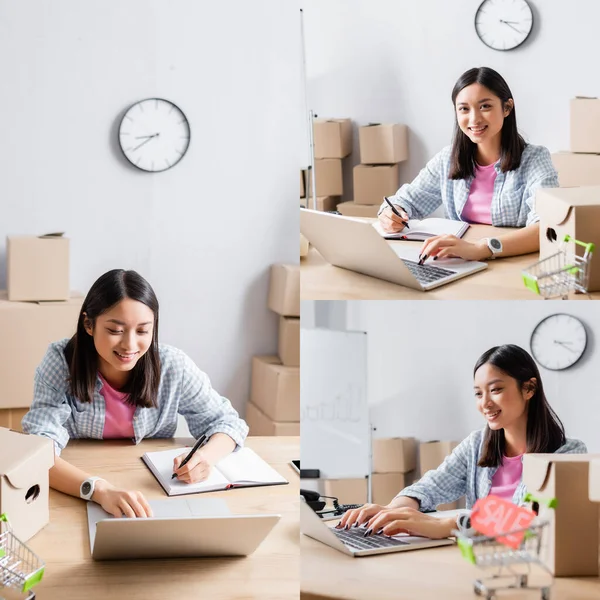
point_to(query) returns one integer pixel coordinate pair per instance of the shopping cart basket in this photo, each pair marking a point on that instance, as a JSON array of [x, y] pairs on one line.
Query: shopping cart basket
[[506, 567], [561, 273], [20, 568]]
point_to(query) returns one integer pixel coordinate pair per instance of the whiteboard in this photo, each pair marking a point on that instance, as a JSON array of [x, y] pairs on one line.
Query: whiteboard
[[334, 414]]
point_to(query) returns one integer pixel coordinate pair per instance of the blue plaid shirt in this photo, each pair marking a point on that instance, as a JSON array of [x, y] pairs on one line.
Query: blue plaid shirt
[[459, 475], [183, 389], [513, 201]]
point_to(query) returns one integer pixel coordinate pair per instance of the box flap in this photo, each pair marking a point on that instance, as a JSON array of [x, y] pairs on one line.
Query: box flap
[[46, 236], [28, 454], [536, 469], [552, 210]]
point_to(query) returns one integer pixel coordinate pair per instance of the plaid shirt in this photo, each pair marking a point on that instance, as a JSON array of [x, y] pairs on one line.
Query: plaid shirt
[[183, 389], [513, 201], [459, 475]]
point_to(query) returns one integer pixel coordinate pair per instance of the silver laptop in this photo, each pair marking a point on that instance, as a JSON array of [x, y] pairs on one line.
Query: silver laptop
[[354, 543], [355, 245], [179, 528]]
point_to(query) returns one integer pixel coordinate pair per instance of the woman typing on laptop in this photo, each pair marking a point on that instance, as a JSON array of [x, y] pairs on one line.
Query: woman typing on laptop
[[510, 396], [112, 380], [488, 175]]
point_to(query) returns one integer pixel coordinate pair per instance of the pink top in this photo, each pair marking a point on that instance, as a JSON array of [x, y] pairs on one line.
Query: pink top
[[507, 477], [478, 208], [118, 422]]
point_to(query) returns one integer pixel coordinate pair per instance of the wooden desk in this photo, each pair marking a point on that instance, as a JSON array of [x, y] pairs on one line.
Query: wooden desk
[[501, 280], [430, 574], [271, 572]]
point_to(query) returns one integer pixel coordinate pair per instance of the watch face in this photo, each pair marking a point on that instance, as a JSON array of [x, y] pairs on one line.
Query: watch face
[[503, 24], [154, 135], [86, 488], [496, 244], [558, 341]]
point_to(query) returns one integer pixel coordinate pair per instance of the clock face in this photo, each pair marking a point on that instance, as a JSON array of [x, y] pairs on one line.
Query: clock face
[[558, 341], [503, 24], [154, 134]]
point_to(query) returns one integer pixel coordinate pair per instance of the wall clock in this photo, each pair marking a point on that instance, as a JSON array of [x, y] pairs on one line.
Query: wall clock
[[503, 24], [154, 134], [558, 341]]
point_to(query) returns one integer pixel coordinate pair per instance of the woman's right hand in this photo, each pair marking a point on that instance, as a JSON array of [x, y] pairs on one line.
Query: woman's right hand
[[390, 222], [120, 503], [359, 516]]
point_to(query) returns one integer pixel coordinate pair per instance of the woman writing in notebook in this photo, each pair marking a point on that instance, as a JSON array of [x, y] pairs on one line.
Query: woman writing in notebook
[[488, 175], [510, 396], [113, 380]]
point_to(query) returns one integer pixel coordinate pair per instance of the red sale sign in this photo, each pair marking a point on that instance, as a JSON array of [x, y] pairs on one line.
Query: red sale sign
[[493, 516]]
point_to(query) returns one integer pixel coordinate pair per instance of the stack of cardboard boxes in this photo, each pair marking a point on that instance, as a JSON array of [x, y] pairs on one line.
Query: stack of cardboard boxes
[[431, 456], [36, 309], [274, 407], [382, 148]]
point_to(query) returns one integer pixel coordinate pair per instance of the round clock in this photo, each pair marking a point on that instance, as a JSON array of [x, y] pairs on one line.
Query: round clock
[[558, 341], [503, 24], [154, 134]]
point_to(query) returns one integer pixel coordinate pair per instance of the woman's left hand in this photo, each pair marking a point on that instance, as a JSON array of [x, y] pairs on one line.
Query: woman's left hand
[[197, 469], [409, 520], [450, 246]]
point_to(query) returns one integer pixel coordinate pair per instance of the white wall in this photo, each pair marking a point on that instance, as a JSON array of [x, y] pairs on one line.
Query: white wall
[[398, 60], [203, 233]]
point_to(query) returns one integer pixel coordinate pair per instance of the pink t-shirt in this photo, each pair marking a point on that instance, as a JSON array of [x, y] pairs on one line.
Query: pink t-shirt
[[118, 422], [478, 208], [507, 477]]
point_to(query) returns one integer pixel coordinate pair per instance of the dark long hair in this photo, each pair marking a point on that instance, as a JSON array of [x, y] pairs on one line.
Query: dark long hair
[[81, 354], [545, 432], [464, 151]]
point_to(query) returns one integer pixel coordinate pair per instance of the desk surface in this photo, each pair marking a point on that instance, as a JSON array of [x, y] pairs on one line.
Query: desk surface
[[271, 572], [501, 280], [429, 574]]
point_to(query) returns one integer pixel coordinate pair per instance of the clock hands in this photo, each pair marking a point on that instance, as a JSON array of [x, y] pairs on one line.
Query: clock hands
[[141, 137], [509, 23], [565, 344], [145, 141]]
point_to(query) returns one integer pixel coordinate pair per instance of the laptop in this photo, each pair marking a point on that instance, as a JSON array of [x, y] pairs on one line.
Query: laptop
[[179, 528], [352, 541], [354, 244]]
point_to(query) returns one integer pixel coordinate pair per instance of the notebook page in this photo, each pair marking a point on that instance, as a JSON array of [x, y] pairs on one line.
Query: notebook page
[[245, 466], [162, 463], [427, 228]]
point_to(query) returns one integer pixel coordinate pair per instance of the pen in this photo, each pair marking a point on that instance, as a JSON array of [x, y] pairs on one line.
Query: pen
[[395, 211], [192, 452]]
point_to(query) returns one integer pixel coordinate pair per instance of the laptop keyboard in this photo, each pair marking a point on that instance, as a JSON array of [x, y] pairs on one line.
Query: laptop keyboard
[[354, 538], [427, 273]]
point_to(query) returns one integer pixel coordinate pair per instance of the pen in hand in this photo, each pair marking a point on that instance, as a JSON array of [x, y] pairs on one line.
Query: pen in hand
[[395, 211], [192, 452]]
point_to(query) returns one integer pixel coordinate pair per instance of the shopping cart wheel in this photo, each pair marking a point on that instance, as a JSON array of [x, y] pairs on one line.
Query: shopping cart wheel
[[522, 581], [546, 593], [478, 588]]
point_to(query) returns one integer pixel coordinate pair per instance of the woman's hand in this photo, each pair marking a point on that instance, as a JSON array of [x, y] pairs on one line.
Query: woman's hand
[[390, 222], [358, 516], [450, 246], [197, 469], [409, 520], [120, 503]]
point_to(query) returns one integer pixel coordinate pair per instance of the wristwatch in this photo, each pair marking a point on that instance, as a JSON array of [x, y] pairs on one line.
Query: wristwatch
[[86, 490], [495, 246]]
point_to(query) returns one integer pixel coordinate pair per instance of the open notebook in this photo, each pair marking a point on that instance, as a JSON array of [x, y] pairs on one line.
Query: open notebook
[[426, 228], [243, 468]]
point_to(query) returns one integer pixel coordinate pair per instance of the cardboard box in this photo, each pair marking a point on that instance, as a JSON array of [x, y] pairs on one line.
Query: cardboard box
[[275, 388], [24, 464], [571, 547], [431, 456], [284, 290], [11, 417], [351, 209], [595, 480], [577, 169], [332, 138], [326, 203], [585, 124], [573, 211], [26, 330], [302, 184], [394, 455], [328, 176], [260, 424], [37, 267], [373, 182], [289, 341], [383, 144], [385, 486], [347, 491]]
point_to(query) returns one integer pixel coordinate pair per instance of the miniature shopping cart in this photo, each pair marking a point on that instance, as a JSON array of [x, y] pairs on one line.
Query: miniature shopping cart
[[560, 273], [506, 567], [20, 568]]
